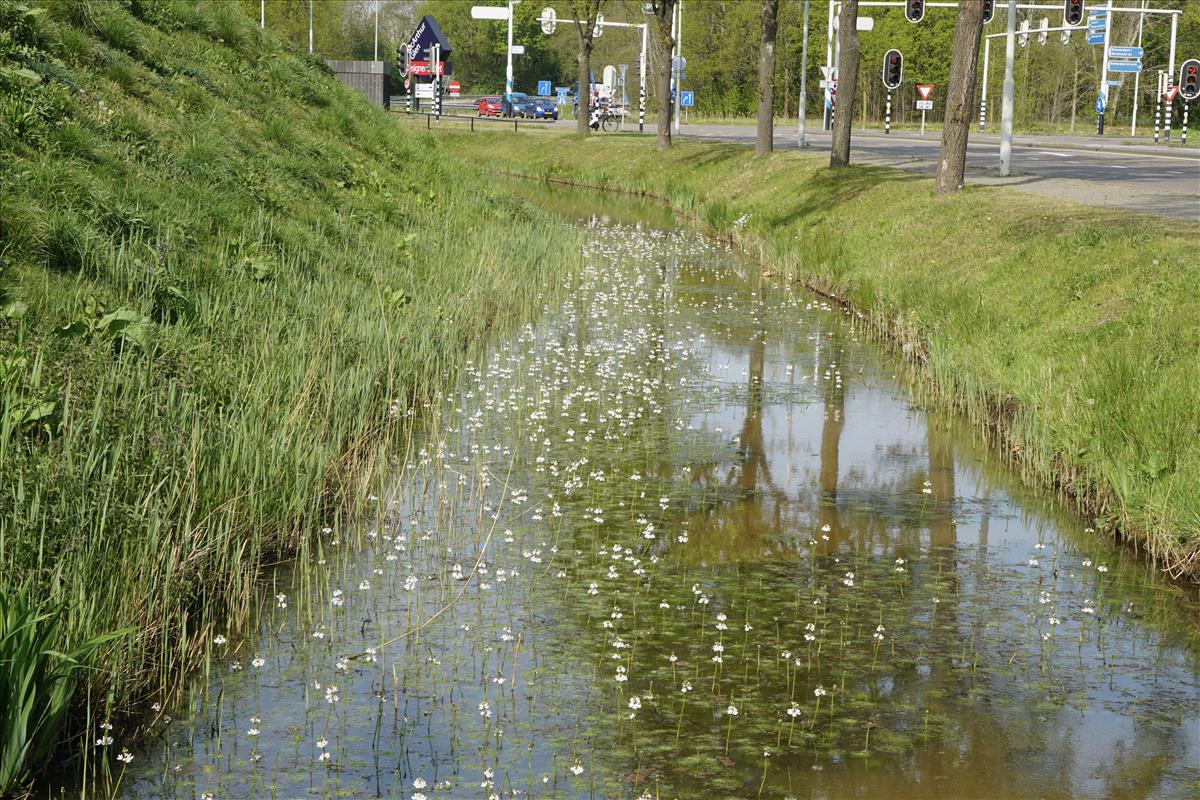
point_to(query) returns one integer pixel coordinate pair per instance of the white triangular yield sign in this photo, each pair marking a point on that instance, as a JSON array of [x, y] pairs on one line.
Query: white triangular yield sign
[[826, 72], [1169, 94], [925, 90]]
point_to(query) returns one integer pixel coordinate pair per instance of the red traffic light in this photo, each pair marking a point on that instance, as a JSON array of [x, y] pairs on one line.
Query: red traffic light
[[914, 10], [893, 69], [1073, 12], [1189, 80]]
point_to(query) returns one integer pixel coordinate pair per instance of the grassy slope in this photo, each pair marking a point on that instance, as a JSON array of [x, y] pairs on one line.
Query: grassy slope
[[1074, 328], [288, 262]]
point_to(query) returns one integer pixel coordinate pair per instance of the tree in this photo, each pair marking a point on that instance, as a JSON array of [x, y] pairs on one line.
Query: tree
[[585, 12], [664, 17], [960, 93], [765, 141], [847, 75]]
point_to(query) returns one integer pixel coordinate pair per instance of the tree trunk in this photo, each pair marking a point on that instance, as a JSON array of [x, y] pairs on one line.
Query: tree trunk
[[585, 12], [964, 61], [847, 87], [584, 115], [664, 13], [765, 141]]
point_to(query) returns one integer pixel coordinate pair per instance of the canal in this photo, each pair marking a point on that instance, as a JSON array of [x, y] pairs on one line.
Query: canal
[[692, 535]]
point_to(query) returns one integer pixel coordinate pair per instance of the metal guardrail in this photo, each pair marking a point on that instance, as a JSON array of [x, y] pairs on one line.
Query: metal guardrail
[[431, 117]]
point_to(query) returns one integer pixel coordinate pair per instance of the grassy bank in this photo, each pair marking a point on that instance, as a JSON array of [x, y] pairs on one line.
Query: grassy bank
[[1071, 332], [225, 277]]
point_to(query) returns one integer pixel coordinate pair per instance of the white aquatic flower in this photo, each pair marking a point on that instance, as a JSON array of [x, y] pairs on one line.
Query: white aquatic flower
[[635, 702], [686, 687], [794, 710], [419, 783], [281, 600], [820, 691], [577, 769], [125, 756], [104, 741], [322, 743], [1102, 568], [219, 639], [732, 710], [257, 661], [253, 732], [485, 710]]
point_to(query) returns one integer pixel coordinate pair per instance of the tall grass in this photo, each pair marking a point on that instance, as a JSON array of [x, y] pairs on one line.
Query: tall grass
[[1068, 332], [223, 278]]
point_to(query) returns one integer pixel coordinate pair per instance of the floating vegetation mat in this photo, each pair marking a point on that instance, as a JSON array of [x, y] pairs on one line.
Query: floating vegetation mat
[[688, 537]]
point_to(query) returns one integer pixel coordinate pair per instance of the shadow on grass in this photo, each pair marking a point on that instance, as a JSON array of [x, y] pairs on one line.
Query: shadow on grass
[[826, 189]]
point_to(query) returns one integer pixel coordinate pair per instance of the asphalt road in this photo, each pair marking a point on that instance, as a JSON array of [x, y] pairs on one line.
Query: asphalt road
[[1144, 178], [1113, 172]]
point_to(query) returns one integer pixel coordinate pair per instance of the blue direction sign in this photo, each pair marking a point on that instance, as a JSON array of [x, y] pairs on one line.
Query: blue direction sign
[[687, 99], [1125, 52], [1095, 37], [1096, 23], [544, 88], [561, 92], [1125, 66]]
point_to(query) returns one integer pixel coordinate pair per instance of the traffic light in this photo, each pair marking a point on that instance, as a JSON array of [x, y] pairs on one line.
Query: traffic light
[[1072, 12], [914, 10], [989, 10], [1189, 80], [893, 69]]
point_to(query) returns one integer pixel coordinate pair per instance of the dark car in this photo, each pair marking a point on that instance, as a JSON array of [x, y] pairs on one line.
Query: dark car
[[488, 106], [514, 105], [542, 108]]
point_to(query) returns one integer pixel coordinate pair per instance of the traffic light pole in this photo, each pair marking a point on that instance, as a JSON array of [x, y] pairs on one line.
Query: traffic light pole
[[1102, 105], [887, 115]]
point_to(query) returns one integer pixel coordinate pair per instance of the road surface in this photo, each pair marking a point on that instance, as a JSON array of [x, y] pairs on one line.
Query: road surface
[[1145, 178]]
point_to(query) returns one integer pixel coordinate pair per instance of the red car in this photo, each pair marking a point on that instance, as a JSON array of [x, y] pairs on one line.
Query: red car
[[489, 107]]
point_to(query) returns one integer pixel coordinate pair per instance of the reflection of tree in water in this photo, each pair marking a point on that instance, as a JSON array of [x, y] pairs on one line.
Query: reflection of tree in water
[[834, 403]]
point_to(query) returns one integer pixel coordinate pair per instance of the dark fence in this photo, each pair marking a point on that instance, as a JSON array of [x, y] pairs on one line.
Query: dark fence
[[372, 78]]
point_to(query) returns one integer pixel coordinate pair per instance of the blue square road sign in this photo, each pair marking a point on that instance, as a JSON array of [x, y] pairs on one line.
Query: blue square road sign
[[687, 99], [544, 88]]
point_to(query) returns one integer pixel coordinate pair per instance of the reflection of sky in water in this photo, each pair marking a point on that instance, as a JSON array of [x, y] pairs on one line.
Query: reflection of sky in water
[[1019, 715]]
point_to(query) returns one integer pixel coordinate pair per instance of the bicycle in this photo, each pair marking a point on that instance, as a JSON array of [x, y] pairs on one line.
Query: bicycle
[[607, 121]]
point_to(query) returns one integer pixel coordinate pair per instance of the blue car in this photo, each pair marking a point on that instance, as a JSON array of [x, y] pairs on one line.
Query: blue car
[[514, 105], [542, 108]]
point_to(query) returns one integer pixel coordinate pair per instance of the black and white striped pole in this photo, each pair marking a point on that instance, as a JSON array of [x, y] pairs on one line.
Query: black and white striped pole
[[1169, 97], [1158, 98], [437, 80], [887, 115], [1183, 135], [982, 113], [641, 82]]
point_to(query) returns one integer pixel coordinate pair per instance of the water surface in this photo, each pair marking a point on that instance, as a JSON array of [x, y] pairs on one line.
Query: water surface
[[689, 536]]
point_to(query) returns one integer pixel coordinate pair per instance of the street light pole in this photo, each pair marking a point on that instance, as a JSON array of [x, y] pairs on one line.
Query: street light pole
[[508, 73], [1010, 89], [679, 74], [376, 30], [800, 133], [310, 26]]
